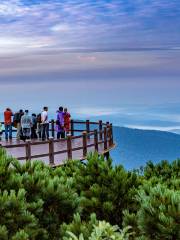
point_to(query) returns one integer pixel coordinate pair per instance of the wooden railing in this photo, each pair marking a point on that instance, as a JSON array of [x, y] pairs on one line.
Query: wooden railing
[[100, 139]]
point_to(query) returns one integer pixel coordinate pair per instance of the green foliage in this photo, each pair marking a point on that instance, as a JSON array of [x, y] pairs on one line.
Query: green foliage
[[79, 226], [14, 214], [33, 199], [163, 170], [88, 201], [3, 232], [106, 190], [21, 235], [93, 230], [159, 214]]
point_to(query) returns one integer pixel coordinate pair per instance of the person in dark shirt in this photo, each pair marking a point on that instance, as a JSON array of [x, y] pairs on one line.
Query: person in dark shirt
[[34, 126], [17, 123]]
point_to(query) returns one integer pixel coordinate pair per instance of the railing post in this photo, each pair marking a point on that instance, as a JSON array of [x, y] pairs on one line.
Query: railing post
[[84, 134], [52, 127], [108, 132], [105, 138], [100, 130], [87, 128], [72, 127], [28, 150], [111, 134], [51, 151], [69, 147], [96, 140]]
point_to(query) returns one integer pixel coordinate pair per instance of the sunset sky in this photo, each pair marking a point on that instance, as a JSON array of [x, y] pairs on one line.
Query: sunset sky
[[109, 57]]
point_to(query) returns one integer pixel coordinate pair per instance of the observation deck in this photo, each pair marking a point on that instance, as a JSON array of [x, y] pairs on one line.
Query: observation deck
[[84, 137]]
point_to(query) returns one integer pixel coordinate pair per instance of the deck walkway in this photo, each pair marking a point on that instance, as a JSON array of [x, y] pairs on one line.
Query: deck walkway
[[55, 152]]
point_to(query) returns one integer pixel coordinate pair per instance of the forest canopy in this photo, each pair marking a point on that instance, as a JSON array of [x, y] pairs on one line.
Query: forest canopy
[[88, 201]]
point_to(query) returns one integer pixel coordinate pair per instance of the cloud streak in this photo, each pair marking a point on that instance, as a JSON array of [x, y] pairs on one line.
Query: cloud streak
[[89, 24]]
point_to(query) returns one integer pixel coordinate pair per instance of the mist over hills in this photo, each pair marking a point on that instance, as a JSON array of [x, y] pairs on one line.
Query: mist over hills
[[177, 131], [135, 147]]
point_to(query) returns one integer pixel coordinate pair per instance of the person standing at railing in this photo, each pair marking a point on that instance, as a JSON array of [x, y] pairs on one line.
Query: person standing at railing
[[39, 127], [67, 120], [17, 123], [44, 124], [26, 123], [8, 123], [34, 126], [60, 123]]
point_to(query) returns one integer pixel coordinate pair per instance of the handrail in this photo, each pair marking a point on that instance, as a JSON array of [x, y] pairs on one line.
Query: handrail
[[75, 121], [103, 135]]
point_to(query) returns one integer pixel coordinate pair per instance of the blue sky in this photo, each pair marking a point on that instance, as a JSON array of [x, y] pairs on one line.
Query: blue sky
[[100, 55]]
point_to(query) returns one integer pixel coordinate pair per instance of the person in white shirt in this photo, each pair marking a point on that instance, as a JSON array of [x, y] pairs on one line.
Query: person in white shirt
[[45, 124]]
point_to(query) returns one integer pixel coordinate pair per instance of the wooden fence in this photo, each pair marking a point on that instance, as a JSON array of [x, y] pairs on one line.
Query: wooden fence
[[100, 139]]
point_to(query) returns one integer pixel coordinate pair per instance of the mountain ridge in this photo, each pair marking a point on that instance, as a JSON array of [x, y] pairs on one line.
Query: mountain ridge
[[135, 147]]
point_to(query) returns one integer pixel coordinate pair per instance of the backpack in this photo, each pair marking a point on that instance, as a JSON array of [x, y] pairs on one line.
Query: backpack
[[16, 119]]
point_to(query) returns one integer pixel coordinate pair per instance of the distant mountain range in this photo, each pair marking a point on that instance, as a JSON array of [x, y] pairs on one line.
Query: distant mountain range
[[177, 131], [135, 147]]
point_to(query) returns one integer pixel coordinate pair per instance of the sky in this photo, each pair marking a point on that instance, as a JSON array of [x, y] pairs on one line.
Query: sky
[[118, 59]]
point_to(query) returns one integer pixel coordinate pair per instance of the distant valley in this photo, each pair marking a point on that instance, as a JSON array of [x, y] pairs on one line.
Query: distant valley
[[135, 147]]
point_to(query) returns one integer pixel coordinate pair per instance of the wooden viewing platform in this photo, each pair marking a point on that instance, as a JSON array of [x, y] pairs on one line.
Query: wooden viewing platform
[[56, 151]]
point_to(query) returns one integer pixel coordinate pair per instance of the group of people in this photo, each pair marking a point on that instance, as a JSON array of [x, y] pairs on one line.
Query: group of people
[[34, 126]]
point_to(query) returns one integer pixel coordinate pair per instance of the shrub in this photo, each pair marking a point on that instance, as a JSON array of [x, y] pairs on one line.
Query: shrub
[[163, 170], [93, 230], [106, 190], [14, 215], [38, 202], [158, 216], [32, 195]]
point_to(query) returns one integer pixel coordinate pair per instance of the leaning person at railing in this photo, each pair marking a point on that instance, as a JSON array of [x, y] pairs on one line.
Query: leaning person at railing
[[60, 123], [44, 124], [67, 120], [8, 123], [26, 123]]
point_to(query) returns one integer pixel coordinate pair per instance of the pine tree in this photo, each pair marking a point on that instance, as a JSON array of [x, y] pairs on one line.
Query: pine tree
[[38, 202], [106, 190], [158, 216], [93, 230], [33, 199], [14, 214]]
